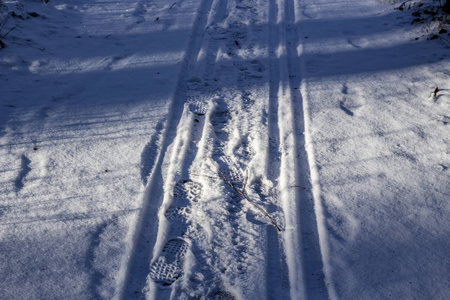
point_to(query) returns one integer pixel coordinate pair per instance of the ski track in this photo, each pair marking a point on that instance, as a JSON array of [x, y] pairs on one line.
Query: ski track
[[274, 158], [306, 277], [313, 263], [138, 266], [215, 246]]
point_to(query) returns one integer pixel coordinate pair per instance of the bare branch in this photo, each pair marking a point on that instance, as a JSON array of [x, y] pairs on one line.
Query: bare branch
[[402, 6], [4, 23], [243, 194], [1, 39]]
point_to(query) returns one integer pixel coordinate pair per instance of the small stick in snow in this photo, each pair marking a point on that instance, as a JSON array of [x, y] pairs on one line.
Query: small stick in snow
[[172, 5], [4, 23], [402, 6], [436, 90], [297, 186], [1, 39], [243, 194], [433, 95]]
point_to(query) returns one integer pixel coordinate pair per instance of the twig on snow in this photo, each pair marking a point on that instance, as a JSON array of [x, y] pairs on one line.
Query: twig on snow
[[401, 7], [297, 186], [433, 95], [243, 194], [1, 39], [436, 90], [4, 23], [172, 5]]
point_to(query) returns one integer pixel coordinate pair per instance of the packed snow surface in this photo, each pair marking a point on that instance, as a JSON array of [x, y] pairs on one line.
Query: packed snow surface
[[222, 149]]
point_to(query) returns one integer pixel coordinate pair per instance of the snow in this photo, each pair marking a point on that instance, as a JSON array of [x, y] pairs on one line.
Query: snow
[[119, 118]]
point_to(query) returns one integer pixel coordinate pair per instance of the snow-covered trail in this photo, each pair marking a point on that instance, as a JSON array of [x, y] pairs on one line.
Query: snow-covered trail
[[240, 79], [305, 254], [152, 150]]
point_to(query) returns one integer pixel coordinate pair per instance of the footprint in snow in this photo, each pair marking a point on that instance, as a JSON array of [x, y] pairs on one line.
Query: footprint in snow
[[189, 190], [169, 265], [177, 213], [198, 107], [443, 119]]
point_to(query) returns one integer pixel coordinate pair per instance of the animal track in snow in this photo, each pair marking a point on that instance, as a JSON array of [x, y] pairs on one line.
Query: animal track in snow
[[443, 119], [404, 154], [25, 169], [344, 108], [344, 89], [352, 100], [169, 266]]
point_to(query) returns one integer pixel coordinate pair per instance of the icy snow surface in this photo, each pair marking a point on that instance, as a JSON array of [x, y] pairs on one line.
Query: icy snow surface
[[150, 149]]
